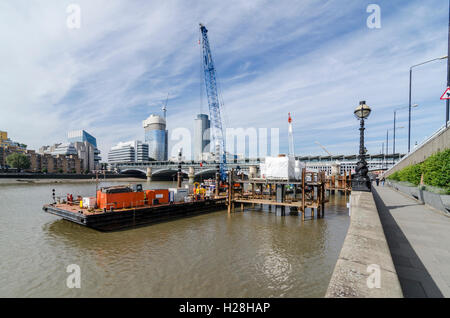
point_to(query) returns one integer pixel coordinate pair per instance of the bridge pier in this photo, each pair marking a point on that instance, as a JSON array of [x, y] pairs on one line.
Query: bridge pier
[[191, 175], [280, 196], [149, 174], [251, 175]]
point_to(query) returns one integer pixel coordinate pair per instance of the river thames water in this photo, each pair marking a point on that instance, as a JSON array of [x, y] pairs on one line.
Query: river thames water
[[254, 253]]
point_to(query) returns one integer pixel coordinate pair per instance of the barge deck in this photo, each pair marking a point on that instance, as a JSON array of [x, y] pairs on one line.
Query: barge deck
[[129, 217]]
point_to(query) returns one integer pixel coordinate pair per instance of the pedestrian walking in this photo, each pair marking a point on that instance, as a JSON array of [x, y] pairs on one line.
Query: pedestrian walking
[[377, 180], [382, 182]]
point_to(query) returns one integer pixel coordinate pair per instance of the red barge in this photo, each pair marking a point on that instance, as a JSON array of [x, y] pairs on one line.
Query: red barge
[[120, 207]]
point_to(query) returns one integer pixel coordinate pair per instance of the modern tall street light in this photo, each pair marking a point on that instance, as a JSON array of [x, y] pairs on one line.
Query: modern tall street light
[[393, 148], [387, 144], [395, 115], [447, 102], [410, 83], [361, 181]]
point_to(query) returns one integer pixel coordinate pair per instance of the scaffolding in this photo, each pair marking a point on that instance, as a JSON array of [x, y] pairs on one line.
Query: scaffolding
[[298, 196]]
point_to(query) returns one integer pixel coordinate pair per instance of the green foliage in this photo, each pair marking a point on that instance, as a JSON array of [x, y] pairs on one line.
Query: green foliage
[[411, 174], [19, 161], [435, 169], [44, 170], [60, 170], [395, 176]]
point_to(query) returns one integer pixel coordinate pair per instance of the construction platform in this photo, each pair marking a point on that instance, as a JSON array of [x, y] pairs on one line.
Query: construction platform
[[307, 193], [129, 217], [338, 183]]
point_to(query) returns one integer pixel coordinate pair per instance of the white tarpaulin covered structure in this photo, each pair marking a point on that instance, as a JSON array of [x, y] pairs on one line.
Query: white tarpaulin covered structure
[[283, 168]]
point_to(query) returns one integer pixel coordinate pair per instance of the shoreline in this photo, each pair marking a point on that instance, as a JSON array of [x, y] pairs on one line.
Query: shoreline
[[15, 181]]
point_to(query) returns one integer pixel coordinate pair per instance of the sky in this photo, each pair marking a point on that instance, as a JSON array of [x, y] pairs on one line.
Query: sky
[[313, 58]]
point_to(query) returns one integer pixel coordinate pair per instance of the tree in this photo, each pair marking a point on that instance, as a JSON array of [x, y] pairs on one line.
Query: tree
[[18, 161]]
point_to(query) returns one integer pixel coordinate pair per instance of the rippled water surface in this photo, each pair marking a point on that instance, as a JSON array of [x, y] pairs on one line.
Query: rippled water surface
[[248, 254]]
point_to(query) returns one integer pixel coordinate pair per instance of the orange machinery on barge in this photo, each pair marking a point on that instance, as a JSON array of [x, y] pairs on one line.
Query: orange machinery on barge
[[124, 206]]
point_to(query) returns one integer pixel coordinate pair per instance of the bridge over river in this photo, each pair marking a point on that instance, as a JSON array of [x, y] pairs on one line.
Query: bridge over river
[[167, 170]]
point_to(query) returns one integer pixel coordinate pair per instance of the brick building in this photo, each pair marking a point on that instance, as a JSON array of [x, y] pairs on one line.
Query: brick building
[[54, 164]]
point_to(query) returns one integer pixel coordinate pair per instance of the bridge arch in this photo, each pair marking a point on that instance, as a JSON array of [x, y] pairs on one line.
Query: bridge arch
[[167, 174], [138, 172]]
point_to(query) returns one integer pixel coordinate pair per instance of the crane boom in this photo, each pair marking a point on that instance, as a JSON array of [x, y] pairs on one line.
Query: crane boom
[[213, 102], [325, 149], [164, 108]]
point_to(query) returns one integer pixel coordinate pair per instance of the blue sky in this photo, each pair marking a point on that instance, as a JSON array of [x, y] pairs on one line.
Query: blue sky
[[315, 59]]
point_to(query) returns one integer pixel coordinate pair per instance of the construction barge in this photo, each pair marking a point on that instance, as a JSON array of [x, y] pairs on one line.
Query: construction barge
[[290, 189], [120, 207]]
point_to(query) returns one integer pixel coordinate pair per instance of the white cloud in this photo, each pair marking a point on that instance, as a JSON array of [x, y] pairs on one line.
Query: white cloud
[[313, 59]]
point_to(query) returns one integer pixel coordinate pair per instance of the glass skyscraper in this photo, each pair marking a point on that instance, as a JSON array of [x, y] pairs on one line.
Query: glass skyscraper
[[156, 136], [202, 136], [81, 136]]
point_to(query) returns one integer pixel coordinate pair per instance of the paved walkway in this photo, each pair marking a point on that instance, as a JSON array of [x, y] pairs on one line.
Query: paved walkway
[[419, 240]]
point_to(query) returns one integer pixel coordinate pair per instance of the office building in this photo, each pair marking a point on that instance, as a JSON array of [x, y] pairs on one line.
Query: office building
[[88, 153], [81, 136], [83, 150], [156, 136], [131, 151], [202, 137], [86, 146], [64, 149]]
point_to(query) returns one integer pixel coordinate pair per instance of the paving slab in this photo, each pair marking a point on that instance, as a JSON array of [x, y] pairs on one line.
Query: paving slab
[[419, 240]]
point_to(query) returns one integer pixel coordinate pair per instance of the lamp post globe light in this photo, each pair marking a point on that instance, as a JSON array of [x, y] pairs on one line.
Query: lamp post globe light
[[361, 180]]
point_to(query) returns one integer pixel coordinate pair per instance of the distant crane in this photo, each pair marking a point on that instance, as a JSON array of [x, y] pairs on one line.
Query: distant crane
[[291, 137], [325, 149], [164, 108], [213, 102], [335, 165]]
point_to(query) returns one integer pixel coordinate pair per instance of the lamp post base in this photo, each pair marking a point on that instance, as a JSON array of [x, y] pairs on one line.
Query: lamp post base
[[360, 183]]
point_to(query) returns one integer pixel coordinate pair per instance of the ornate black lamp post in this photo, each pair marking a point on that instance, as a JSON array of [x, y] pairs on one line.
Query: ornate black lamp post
[[361, 181]]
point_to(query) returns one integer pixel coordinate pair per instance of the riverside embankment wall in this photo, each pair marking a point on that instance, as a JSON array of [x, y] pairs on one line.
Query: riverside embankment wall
[[364, 267], [438, 142], [64, 176]]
